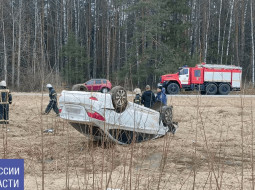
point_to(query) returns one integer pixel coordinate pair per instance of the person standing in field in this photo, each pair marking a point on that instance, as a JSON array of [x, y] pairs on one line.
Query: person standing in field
[[148, 97], [5, 100], [53, 104], [161, 95], [137, 98]]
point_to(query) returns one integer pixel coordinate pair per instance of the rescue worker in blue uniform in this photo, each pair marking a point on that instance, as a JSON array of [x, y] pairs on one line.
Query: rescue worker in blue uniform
[[5, 100], [53, 104]]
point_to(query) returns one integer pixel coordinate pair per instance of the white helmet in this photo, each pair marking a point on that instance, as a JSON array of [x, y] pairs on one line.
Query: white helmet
[[3, 83], [49, 86], [137, 91]]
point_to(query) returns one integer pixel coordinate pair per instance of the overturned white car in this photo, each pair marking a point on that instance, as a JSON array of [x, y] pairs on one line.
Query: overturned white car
[[110, 117]]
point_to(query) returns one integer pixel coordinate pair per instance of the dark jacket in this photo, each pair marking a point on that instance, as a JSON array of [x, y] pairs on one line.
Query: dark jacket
[[52, 94], [137, 99], [6, 94], [5, 98], [148, 98], [161, 96]]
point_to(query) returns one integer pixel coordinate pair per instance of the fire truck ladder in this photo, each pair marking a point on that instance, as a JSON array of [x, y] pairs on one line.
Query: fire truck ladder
[[212, 66]]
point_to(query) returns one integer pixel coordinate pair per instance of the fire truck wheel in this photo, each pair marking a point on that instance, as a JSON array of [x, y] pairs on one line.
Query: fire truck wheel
[[211, 89], [167, 115], [224, 89], [119, 98], [173, 88]]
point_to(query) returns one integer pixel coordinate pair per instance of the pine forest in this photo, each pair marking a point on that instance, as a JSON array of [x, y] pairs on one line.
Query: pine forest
[[129, 42]]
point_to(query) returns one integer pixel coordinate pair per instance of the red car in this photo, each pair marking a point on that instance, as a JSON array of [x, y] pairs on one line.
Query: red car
[[102, 85]]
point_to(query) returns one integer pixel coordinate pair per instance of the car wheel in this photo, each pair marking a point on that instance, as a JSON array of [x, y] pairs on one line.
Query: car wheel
[[119, 98], [211, 89], [79, 87], [173, 88], [167, 115], [224, 89], [104, 90]]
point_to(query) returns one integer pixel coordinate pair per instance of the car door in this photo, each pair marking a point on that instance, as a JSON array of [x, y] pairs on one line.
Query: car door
[[97, 85], [104, 83], [89, 84], [184, 76], [197, 76]]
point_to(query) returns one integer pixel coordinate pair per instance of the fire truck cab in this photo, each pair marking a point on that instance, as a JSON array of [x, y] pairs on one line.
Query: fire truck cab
[[207, 78]]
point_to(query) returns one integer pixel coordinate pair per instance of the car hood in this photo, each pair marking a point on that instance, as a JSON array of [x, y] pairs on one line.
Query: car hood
[[168, 76]]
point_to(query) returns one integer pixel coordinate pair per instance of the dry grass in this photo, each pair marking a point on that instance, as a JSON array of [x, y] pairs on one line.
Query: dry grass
[[212, 149]]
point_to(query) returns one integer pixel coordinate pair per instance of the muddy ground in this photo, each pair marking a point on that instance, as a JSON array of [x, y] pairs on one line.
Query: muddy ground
[[212, 148]]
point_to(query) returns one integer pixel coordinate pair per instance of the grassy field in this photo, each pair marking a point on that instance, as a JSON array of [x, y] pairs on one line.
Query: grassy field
[[213, 148]]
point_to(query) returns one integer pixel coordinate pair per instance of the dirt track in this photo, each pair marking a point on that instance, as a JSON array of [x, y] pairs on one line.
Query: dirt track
[[212, 148]]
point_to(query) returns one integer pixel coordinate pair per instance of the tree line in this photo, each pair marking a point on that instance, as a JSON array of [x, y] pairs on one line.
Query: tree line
[[130, 42]]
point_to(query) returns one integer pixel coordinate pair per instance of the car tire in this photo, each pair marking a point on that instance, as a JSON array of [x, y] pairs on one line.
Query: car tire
[[211, 89], [79, 87], [119, 98], [224, 89], [105, 90], [173, 88], [167, 115]]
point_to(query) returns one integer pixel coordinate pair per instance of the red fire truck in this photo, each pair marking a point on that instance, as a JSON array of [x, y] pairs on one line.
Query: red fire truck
[[207, 78]]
